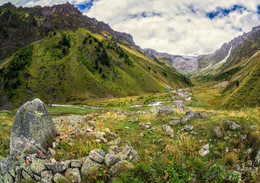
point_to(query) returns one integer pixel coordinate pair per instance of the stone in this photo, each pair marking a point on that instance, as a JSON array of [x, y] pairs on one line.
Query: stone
[[121, 166], [174, 122], [46, 176], [100, 135], [218, 132], [107, 130], [97, 155], [37, 178], [115, 142], [40, 154], [33, 126], [188, 128], [114, 149], [234, 176], [248, 151], [190, 115], [168, 130], [59, 178], [26, 176], [91, 123], [230, 125], [57, 167], [90, 168], [257, 158], [73, 175], [111, 159], [37, 166], [8, 178], [204, 150], [6, 164], [252, 127], [52, 151], [76, 163]]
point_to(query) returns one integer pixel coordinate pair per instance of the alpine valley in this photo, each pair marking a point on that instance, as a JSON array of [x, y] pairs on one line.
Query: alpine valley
[[81, 102]]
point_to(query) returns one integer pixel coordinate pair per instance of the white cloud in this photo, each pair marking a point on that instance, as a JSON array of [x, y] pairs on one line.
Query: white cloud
[[174, 26], [183, 27]]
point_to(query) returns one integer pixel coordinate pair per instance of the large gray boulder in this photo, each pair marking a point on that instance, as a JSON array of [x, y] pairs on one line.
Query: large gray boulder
[[33, 127], [190, 115]]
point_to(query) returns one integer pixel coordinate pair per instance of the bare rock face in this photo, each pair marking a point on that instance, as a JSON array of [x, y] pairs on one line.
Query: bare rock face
[[33, 127]]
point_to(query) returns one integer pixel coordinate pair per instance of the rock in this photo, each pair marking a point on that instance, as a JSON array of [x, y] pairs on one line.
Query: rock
[[6, 164], [97, 141], [26, 176], [111, 159], [58, 178], [73, 175], [234, 176], [252, 127], [190, 115], [218, 132], [46, 176], [100, 135], [37, 166], [188, 128], [37, 178], [97, 155], [174, 122], [91, 123], [115, 142], [168, 130], [90, 168], [204, 150], [57, 167], [121, 166], [114, 149], [40, 154], [76, 163], [8, 178], [248, 151], [103, 139], [257, 158], [230, 125], [52, 151], [33, 125]]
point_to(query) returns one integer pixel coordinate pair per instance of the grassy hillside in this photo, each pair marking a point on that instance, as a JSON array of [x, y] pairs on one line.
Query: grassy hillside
[[243, 90], [78, 65]]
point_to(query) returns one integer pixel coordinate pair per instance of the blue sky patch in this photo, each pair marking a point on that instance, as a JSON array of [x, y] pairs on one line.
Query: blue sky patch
[[86, 6], [224, 12], [258, 9]]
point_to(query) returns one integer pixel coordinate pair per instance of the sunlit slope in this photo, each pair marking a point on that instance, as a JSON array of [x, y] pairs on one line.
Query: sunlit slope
[[77, 65]]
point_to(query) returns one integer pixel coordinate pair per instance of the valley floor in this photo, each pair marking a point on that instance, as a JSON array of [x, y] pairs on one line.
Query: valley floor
[[169, 148]]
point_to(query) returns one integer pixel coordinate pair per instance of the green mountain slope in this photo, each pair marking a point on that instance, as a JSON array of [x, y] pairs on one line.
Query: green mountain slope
[[244, 88], [77, 65]]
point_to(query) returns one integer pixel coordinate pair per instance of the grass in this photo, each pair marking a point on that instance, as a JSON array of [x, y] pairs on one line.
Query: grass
[[166, 159], [6, 122]]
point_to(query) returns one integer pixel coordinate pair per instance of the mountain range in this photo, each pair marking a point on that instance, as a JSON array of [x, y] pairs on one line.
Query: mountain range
[[59, 55], [235, 67]]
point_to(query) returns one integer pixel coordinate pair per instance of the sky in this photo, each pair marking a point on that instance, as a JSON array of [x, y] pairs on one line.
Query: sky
[[179, 27]]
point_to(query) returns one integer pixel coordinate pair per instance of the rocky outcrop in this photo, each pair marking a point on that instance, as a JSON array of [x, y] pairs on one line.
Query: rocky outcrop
[[230, 125], [190, 115], [33, 129], [32, 161]]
